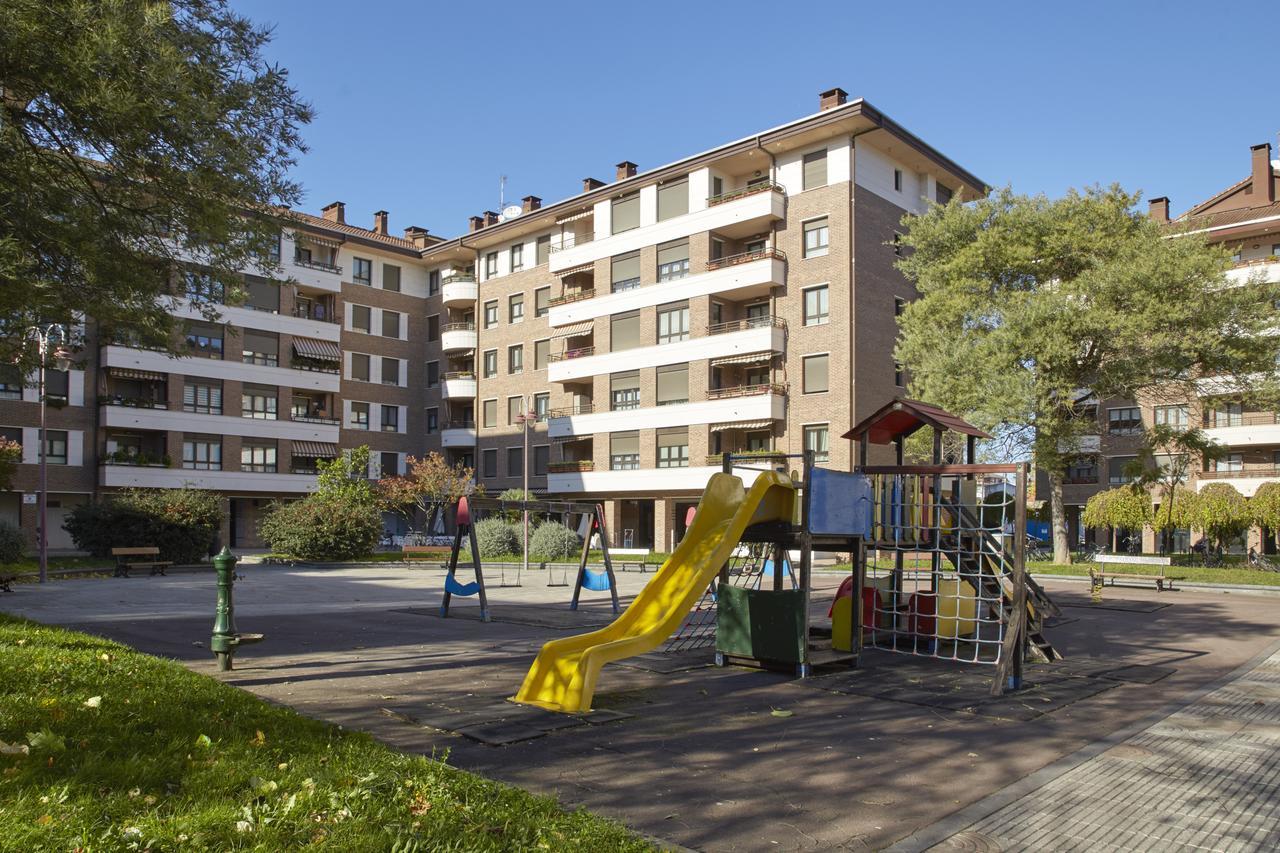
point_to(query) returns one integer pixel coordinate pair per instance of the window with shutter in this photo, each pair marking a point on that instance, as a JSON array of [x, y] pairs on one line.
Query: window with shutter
[[361, 318], [626, 213], [815, 238], [673, 198], [624, 391], [490, 411], [624, 272], [624, 451], [815, 374], [673, 323], [391, 278], [673, 260], [624, 331], [542, 302], [541, 354], [673, 448], [360, 366], [390, 324], [673, 384], [390, 371], [815, 169]]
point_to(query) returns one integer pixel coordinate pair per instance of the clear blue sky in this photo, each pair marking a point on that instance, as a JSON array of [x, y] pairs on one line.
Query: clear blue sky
[[421, 106]]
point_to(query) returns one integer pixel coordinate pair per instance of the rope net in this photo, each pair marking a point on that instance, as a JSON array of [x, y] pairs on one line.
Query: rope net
[[751, 566]]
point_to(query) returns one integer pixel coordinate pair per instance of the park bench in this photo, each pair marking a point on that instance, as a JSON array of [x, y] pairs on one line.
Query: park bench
[[427, 552], [1100, 575], [128, 559]]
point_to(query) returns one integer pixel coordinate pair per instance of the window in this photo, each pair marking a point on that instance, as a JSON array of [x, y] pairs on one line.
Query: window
[[624, 331], [55, 446], [815, 238], [362, 318], [390, 371], [515, 407], [489, 410], [1230, 462], [759, 440], [815, 374], [433, 328], [897, 179], [815, 439], [816, 309], [359, 415], [1083, 470], [388, 464], [491, 265], [515, 358], [517, 257], [897, 244], [491, 314], [717, 249], [202, 453], [390, 324], [260, 348], [673, 323], [673, 260], [258, 457], [541, 354], [626, 213], [201, 288], [757, 314], [624, 451], [1174, 417], [515, 461], [673, 384], [202, 396], [542, 249], [433, 374], [815, 169], [673, 198], [490, 363], [624, 272], [390, 418], [624, 391], [204, 341], [717, 186], [362, 271], [542, 302], [899, 305], [1227, 415], [1116, 466], [541, 406], [942, 193], [515, 308], [433, 421], [673, 448], [10, 382], [259, 402], [1127, 421], [262, 294], [360, 366], [541, 459], [433, 282], [490, 462], [391, 278], [57, 384]]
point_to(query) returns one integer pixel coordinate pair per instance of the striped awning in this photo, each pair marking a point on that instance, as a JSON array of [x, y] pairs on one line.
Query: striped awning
[[741, 425], [130, 373], [316, 240], [746, 358], [574, 217], [319, 350], [315, 449], [584, 328], [575, 270]]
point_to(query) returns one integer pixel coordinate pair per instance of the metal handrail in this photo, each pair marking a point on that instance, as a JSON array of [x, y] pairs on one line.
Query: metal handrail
[[576, 241], [1243, 419], [763, 186], [577, 352], [458, 374], [460, 424], [303, 314], [576, 296], [459, 278], [570, 467], [746, 258], [568, 411], [747, 391], [317, 265], [1263, 471], [458, 327], [748, 323]]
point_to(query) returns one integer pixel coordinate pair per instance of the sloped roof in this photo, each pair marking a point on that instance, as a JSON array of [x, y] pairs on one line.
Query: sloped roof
[[900, 418], [312, 221], [1229, 217]]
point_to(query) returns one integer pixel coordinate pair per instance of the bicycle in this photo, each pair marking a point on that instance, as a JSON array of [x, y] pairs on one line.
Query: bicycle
[[1258, 561]]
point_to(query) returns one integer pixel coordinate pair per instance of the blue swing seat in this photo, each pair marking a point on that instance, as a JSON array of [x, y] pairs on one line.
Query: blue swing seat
[[452, 586], [597, 581]]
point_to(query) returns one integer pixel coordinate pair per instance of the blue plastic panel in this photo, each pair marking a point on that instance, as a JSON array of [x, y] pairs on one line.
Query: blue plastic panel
[[839, 503]]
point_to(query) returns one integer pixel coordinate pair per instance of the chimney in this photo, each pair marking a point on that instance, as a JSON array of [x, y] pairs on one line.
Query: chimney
[[490, 218], [1264, 188], [336, 212], [417, 236], [476, 222], [530, 203], [832, 98], [1158, 209], [626, 169], [380, 223], [589, 184]]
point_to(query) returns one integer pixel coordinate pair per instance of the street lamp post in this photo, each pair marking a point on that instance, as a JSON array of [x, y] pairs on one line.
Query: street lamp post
[[525, 418], [62, 360]]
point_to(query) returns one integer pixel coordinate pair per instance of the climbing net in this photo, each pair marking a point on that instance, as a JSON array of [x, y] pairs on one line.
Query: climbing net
[[751, 567]]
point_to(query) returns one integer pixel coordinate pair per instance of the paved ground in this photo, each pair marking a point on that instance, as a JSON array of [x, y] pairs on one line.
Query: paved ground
[[695, 755]]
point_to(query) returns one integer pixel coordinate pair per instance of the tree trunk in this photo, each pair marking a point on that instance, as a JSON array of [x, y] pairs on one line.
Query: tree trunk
[[1058, 521]]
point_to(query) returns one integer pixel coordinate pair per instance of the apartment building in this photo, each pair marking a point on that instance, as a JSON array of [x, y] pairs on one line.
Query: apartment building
[[1245, 217], [739, 299]]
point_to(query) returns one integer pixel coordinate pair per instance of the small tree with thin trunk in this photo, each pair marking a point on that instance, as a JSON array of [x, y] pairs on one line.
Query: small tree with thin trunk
[[1264, 506], [1121, 507], [1221, 512], [430, 484]]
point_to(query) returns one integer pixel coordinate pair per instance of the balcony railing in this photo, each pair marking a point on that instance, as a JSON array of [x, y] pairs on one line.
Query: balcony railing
[[570, 467], [1080, 481], [459, 278], [132, 402], [1259, 471], [748, 323], [572, 240], [316, 419], [576, 352], [1244, 419], [718, 458], [763, 186], [746, 391], [317, 265], [745, 258], [460, 423], [458, 327], [575, 296], [1256, 262], [315, 366], [569, 411], [320, 316], [458, 374]]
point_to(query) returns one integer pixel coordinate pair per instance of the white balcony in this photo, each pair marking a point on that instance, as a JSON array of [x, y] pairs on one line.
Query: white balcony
[[458, 436], [771, 405], [459, 290], [658, 482], [303, 380], [458, 337], [458, 386], [767, 336], [267, 321], [169, 420], [754, 275], [1246, 482], [1265, 270], [133, 476], [1263, 431], [745, 214], [321, 276]]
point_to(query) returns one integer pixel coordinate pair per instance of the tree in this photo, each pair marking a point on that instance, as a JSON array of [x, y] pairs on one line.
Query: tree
[[1264, 507], [1221, 512], [10, 457], [1164, 463], [1028, 305], [1120, 508], [134, 136], [341, 520], [430, 484]]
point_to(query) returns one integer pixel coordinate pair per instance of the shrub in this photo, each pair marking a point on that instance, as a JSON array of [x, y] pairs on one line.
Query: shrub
[[11, 543], [322, 527], [554, 541], [182, 523], [497, 538]]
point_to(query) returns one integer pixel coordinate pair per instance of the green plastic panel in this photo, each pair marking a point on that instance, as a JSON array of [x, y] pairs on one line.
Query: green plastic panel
[[761, 624]]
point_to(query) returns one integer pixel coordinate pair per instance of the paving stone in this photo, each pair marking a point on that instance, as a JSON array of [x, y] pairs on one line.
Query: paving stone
[[500, 734]]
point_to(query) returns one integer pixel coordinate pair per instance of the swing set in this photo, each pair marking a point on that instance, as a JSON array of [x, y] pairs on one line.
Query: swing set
[[591, 525]]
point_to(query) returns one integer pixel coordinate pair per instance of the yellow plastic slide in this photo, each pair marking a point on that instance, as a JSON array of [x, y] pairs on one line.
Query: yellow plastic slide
[[563, 678]]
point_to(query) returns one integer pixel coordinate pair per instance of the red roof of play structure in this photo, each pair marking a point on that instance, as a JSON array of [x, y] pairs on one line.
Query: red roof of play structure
[[900, 418]]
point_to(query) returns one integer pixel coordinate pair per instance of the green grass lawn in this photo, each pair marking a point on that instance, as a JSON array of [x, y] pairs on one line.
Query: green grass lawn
[[1237, 574], [31, 565], [106, 748]]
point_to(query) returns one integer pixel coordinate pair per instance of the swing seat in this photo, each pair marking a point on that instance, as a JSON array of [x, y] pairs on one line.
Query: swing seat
[[596, 581], [452, 587]]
